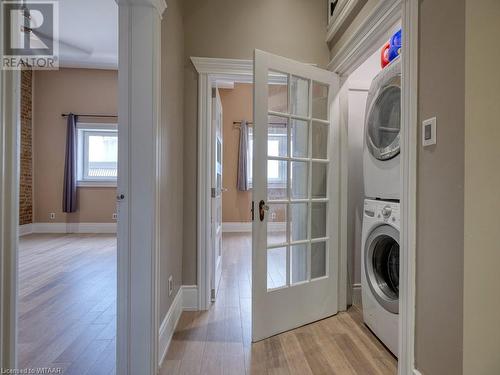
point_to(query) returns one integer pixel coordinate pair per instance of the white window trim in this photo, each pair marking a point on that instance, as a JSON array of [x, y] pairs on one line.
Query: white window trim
[[80, 180]]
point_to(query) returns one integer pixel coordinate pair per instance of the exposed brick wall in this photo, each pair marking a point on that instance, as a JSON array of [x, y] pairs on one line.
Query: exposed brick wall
[[26, 167]]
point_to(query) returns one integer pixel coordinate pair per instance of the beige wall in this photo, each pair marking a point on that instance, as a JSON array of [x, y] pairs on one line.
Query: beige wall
[[62, 91], [233, 29], [482, 193], [237, 104], [171, 211], [440, 189]]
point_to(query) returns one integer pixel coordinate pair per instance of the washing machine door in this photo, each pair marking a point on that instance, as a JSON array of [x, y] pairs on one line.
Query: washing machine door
[[382, 266], [383, 118]]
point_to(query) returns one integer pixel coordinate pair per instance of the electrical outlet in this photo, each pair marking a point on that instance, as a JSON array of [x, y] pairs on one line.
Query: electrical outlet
[[52, 216], [273, 215], [115, 216], [170, 285]]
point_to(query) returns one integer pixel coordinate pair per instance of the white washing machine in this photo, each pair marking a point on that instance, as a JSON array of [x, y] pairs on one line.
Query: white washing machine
[[382, 134], [380, 270]]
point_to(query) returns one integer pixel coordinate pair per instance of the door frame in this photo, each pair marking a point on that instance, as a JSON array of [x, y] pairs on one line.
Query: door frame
[[210, 70], [371, 34], [137, 321]]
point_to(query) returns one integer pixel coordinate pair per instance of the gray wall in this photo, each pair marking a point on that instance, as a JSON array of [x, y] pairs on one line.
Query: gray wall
[[482, 182], [440, 189], [172, 118], [233, 29]]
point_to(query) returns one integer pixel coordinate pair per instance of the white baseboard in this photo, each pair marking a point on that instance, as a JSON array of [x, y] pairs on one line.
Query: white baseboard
[[189, 297], [167, 327], [356, 295], [186, 299], [416, 372], [234, 227], [25, 229], [73, 228]]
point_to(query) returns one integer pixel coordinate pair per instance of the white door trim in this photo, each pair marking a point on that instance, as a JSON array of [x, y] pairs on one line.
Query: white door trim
[[209, 70], [10, 126], [139, 113], [371, 34]]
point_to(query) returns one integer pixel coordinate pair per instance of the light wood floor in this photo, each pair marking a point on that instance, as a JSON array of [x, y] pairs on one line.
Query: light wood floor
[[219, 341], [67, 303]]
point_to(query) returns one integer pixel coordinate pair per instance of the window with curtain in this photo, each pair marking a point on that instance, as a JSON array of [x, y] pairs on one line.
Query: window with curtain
[[276, 172], [97, 149]]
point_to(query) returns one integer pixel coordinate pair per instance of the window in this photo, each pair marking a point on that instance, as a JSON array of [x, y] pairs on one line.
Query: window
[[97, 150], [276, 171]]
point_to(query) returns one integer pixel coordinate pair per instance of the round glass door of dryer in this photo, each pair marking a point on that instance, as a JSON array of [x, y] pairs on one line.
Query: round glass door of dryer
[[384, 121], [382, 266]]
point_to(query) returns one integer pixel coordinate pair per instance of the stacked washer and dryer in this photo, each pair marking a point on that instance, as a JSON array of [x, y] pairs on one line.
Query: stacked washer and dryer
[[381, 214]]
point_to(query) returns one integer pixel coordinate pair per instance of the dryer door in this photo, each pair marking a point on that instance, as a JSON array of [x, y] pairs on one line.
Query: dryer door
[[384, 119], [382, 266]]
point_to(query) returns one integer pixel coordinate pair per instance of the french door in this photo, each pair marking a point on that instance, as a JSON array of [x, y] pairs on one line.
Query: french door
[[295, 193], [217, 134]]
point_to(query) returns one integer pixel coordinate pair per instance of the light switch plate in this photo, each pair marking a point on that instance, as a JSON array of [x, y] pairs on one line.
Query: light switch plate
[[429, 132]]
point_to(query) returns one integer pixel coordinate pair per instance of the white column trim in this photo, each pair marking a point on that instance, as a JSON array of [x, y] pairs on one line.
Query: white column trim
[[409, 146], [10, 126], [159, 5], [138, 235]]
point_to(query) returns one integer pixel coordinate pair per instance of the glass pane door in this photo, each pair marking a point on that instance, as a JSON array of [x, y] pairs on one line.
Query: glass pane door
[[297, 179]]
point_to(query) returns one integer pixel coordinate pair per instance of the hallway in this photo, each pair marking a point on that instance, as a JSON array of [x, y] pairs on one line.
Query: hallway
[[218, 341]]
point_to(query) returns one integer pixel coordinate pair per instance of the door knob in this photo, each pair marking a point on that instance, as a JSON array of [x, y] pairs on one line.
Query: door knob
[[263, 207]]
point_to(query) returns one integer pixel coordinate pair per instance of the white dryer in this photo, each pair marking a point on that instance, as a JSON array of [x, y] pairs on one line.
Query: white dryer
[[380, 270], [382, 134]]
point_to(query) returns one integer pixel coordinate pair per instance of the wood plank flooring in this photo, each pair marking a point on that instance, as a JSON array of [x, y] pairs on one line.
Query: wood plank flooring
[[67, 303], [219, 341]]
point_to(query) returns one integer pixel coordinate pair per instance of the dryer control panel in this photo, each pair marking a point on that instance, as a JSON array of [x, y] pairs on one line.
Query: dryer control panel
[[382, 210]]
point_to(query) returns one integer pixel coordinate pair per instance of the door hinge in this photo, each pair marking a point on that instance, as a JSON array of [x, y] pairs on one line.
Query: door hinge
[[252, 211], [212, 294], [213, 192]]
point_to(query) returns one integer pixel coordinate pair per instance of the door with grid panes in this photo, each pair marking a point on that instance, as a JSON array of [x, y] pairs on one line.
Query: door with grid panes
[[295, 189], [217, 190]]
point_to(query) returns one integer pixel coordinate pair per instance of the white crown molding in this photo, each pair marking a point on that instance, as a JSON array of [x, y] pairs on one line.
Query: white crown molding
[[369, 34], [209, 65], [339, 20], [159, 5], [235, 70]]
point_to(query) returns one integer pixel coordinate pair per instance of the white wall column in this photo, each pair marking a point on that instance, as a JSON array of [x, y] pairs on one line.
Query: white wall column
[[138, 184], [10, 98]]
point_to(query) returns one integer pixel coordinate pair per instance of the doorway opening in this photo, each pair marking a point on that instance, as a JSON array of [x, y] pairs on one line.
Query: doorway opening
[[68, 157]]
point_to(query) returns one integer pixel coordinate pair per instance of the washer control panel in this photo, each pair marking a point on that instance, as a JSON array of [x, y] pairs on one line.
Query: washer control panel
[[386, 211]]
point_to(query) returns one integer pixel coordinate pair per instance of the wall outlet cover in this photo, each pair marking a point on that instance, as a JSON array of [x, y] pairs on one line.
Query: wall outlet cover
[[115, 216], [52, 215]]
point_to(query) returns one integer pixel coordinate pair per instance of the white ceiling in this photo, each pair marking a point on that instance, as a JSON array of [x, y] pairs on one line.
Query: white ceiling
[[91, 26]]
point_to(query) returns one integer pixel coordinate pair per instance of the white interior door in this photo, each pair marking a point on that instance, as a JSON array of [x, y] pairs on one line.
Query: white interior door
[[295, 192], [217, 136]]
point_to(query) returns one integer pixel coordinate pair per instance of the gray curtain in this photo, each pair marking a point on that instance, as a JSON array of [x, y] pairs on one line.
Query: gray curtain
[[242, 182], [69, 190]]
